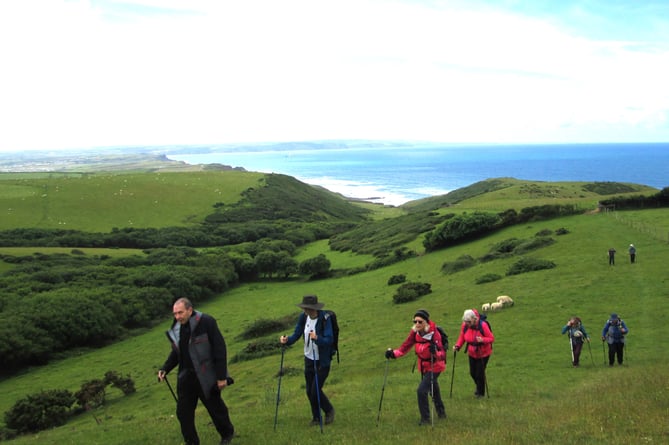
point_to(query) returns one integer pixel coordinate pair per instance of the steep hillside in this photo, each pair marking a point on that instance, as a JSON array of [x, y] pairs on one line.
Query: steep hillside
[[99, 202], [508, 193]]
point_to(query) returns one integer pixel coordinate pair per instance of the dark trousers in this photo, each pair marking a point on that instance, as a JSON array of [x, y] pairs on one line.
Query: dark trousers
[[477, 371], [576, 349], [616, 350], [189, 391], [316, 398], [430, 384]]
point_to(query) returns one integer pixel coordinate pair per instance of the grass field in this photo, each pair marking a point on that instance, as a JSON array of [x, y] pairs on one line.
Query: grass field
[[98, 202], [536, 397]]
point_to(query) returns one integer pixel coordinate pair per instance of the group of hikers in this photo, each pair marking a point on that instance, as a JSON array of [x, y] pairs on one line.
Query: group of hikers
[[199, 351], [614, 333], [611, 253]]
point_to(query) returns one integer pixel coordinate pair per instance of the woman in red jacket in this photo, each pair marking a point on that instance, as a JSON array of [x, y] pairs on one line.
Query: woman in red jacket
[[426, 340], [478, 336]]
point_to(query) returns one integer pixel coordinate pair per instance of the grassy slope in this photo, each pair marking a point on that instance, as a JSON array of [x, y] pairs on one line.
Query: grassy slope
[[77, 201], [536, 397]]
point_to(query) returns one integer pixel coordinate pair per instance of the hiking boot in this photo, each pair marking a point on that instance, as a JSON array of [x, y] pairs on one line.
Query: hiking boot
[[227, 439], [329, 417], [424, 422], [315, 422]]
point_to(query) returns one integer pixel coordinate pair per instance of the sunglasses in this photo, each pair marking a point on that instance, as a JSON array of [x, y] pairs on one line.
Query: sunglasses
[[418, 321]]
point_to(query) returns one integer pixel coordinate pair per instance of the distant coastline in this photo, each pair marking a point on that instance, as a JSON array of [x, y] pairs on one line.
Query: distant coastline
[[386, 172], [396, 173]]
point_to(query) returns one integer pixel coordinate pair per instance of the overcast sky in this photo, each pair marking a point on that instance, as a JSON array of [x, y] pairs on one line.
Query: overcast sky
[[96, 73]]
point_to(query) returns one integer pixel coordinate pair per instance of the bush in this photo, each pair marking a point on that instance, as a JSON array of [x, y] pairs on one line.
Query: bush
[[316, 267], [533, 244], [264, 326], [459, 229], [463, 262], [529, 265], [411, 291], [397, 279], [41, 411], [257, 349], [92, 393], [561, 231], [125, 384], [488, 278]]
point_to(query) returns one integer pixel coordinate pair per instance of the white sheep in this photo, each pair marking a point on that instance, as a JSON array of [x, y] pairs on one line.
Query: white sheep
[[496, 306], [505, 300], [485, 307]]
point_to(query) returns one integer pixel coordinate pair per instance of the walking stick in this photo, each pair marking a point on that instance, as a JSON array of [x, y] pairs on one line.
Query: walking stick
[[383, 390], [450, 396], [278, 391], [432, 389], [485, 378], [571, 346], [604, 352], [590, 349], [170, 387], [626, 354], [318, 392]]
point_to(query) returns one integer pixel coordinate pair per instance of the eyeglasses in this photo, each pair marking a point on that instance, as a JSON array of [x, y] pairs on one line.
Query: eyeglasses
[[418, 321]]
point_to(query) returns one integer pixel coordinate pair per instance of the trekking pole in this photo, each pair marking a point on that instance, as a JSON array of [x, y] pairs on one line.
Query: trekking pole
[[450, 396], [432, 389], [171, 390], [383, 389], [571, 346], [485, 378], [318, 391], [278, 391], [590, 349], [626, 354], [604, 352]]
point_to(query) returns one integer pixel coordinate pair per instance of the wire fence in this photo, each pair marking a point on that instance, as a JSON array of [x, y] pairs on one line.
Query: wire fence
[[652, 230]]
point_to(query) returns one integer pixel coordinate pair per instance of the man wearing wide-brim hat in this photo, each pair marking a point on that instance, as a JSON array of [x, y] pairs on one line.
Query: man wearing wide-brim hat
[[315, 326]]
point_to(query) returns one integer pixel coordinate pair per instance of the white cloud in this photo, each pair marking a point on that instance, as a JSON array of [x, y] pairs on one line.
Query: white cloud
[[81, 73]]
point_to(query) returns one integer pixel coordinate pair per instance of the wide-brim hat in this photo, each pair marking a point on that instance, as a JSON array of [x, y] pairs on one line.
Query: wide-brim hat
[[310, 302]]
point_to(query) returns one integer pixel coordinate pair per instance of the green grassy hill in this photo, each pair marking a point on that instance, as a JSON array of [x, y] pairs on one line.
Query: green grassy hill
[[535, 394]]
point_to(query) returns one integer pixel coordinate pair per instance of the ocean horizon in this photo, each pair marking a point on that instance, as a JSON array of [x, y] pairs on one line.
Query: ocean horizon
[[394, 174]]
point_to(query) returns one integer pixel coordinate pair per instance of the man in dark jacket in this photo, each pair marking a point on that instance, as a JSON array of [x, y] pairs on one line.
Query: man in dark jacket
[[199, 349]]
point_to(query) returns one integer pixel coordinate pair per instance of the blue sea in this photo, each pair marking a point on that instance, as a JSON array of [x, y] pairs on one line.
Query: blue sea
[[393, 174]]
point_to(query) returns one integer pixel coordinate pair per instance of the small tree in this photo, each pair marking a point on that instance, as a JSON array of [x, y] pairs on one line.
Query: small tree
[[411, 291], [318, 266]]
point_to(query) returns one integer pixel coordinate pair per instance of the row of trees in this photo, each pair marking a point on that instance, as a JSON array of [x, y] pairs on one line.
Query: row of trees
[[468, 226], [104, 297]]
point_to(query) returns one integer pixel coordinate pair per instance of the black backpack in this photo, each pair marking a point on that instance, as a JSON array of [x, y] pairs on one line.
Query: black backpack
[[444, 338], [335, 331]]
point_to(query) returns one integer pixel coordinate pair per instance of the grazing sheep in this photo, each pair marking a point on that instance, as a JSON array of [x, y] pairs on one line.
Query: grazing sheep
[[496, 306], [505, 300], [485, 307]]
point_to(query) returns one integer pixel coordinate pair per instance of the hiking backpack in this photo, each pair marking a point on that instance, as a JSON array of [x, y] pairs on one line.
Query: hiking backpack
[[335, 331], [444, 338]]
